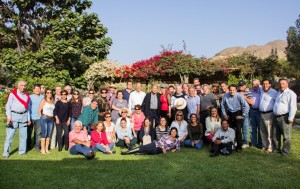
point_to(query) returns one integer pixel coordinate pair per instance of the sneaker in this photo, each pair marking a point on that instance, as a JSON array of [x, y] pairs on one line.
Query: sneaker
[[245, 146]]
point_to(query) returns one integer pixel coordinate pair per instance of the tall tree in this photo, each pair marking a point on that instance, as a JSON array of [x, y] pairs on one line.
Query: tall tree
[[293, 47], [50, 38]]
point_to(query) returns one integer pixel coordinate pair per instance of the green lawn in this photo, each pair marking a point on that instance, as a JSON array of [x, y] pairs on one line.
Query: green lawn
[[186, 169]]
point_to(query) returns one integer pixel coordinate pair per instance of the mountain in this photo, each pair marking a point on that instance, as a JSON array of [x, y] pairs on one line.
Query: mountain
[[262, 51]]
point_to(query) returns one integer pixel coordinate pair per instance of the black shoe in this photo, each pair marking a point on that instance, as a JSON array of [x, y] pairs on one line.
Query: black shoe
[[124, 153], [66, 148], [91, 155], [114, 151], [59, 149], [213, 154], [238, 150]]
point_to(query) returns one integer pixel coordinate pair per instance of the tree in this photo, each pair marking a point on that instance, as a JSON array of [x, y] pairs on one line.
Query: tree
[[293, 48], [55, 39]]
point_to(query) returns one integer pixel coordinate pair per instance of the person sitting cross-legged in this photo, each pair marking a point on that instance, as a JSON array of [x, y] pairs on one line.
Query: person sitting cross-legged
[[168, 142], [223, 140], [124, 135], [99, 139], [79, 143], [195, 133]]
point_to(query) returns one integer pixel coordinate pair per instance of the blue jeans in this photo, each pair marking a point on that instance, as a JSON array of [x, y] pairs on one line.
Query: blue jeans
[[46, 126], [22, 138], [80, 149], [101, 148], [73, 123], [245, 129], [254, 118], [188, 143]]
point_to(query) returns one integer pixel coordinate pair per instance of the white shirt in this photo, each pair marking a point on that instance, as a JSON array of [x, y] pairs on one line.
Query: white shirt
[[135, 98], [182, 128], [286, 102], [212, 125]]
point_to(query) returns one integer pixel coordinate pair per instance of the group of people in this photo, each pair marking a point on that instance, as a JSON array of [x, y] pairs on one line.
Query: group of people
[[177, 116]]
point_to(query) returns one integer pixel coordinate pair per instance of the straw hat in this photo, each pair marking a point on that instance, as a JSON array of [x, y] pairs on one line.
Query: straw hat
[[124, 109]]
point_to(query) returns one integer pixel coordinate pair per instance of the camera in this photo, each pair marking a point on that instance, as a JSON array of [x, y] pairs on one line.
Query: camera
[[9, 125]]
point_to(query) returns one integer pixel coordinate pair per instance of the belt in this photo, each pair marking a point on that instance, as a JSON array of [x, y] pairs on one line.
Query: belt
[[281, 115], [267, 112], [254, 108], [19, 112], [47, 116]]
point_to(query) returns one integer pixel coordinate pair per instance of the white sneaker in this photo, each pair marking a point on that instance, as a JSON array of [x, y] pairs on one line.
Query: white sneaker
[[245, 146]]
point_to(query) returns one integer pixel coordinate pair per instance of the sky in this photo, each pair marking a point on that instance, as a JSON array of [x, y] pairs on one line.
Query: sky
[[139, 28]]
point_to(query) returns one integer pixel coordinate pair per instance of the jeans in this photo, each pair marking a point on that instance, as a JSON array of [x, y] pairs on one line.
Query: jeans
[[36, 125], [150, 149], [73, 119], [255, 128], [22, 138], [59, 127], [154, 117], [198, 146], [245, 129], [281, 127], [121, 143], [80, 149], [101, 148], [46, 126]]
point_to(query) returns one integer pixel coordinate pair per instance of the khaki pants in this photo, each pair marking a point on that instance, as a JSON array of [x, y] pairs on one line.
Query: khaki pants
[[266, 130]]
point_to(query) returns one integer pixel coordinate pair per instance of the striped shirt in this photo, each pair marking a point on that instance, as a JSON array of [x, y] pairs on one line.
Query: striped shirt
[[166, 143]]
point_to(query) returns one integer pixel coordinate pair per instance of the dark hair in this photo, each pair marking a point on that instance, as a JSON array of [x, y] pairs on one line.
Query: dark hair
[[138, 106], [123, 119], [91, 90], [37, 85], [119, 92], [64, 91], [51, 98], [194, 115], [196, 79], [107, 113], [174, 128], [147, 118], [171, 86], [103, 89], [267, 80], [79, 97], [224, 83], [225, 120], [283, 79], [232, 85], [129, 81], [94, 100]]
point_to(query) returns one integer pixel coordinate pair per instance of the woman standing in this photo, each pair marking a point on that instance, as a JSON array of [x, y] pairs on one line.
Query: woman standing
[[147, 133], [162, 128], [117, 105], [181, 125], [76, 107], [195, 133], [103, 105], [99, 139], [137, 119], [168, 142], [62, 117], [110, 128], [213, 123], [45, 111], [165, 101]]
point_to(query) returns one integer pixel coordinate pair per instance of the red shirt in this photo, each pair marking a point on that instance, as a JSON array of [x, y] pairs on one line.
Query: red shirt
[[97, 138], [164, 102]]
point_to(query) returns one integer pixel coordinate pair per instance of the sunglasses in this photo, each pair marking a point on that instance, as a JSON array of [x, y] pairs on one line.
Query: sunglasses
[[48, 92], [179, 115], [107, 116], [124, 112], [193, 117], [91, 93], [103, 92], [137, 109], [64, 94], [75, 94]]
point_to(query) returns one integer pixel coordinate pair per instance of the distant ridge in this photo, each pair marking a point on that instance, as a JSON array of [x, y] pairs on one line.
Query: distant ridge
[[262, 51]]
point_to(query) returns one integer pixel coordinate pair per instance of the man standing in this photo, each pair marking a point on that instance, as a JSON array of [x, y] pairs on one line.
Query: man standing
[[126, 92], [35, 100], [284, 110], [18, 116], [254, 115], [207, 100], [136, 97], [249, 99], [111, 95], [69, 90], [267, 100], [193, 103], [174, 109], [235, 109], [196, 82], [151, 105]]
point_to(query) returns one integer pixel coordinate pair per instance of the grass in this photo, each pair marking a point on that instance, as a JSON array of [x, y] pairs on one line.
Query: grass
[[186, 169]]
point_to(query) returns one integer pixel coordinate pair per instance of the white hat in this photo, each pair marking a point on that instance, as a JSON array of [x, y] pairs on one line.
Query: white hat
[[180, 103]]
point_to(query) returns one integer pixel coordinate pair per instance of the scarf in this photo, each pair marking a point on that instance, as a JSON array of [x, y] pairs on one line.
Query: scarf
[[14, 92]]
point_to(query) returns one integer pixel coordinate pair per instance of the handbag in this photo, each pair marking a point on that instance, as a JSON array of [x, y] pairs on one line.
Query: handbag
[[146, 139]]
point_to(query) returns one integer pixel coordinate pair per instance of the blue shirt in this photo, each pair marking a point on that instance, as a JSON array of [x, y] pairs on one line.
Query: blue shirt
[[121, 134], [256, 98], [234, 103], [267, 100], [126, 94], [34, 106], [192, 104], [286, 103]]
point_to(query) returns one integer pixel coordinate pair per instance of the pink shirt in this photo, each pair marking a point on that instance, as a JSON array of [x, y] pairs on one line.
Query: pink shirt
[[164, 102], [138, 121], [97, 138], [80, 136]]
